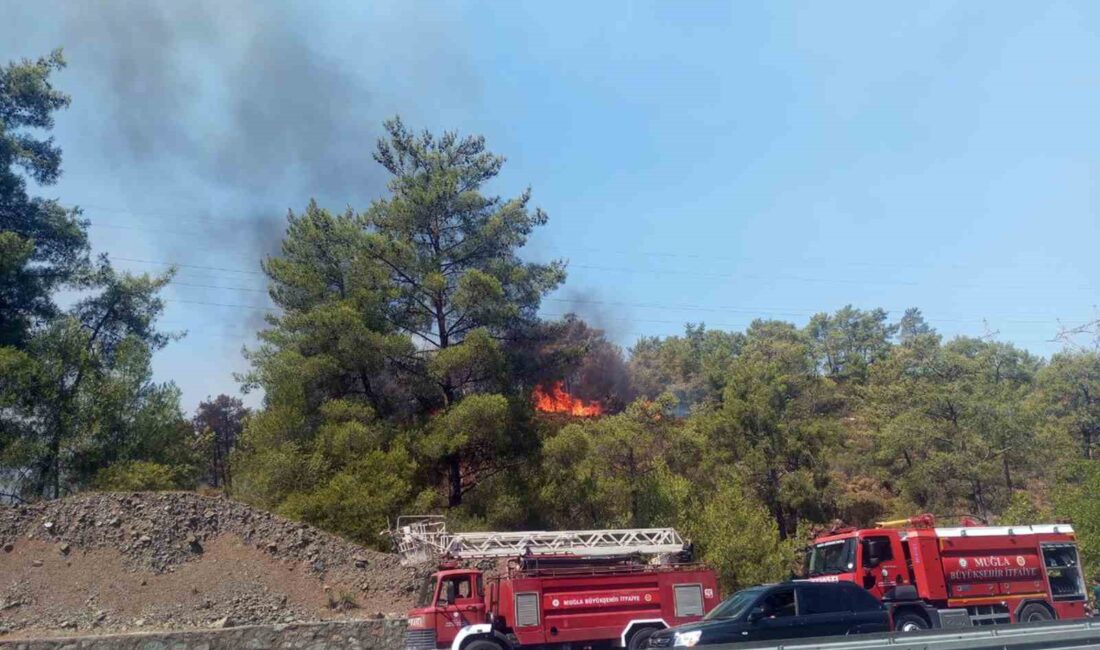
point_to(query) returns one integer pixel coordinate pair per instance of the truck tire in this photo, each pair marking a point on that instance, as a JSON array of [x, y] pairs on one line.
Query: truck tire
[[640, 639], [483, 644], [910, 622], [1034, 613]]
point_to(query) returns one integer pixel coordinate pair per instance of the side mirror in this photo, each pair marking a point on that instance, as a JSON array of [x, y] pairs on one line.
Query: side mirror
[[756, 613], [449, 593]]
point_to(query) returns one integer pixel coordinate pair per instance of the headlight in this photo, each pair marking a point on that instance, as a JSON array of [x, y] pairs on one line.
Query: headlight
[[687, 639]]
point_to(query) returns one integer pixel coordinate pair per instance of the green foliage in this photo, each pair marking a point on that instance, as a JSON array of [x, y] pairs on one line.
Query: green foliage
[[76, 394], [83, 398], [1021, 509], [388, 354], [358, 500], [848, 342], [43, 246], [1070, 392], [217, 424], [624, 470], [1079, 504], [738, 537], [953, 424], [141, 475], [776, 422], [694, 368]]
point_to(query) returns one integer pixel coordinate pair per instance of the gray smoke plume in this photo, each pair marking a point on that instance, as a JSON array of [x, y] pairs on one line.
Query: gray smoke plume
[[603, 374], [246, 107], [232, 91], [205, 120], [598, 310]]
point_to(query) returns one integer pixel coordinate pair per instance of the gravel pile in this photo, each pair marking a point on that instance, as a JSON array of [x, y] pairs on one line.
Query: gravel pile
[[117, 561], [158, 530]]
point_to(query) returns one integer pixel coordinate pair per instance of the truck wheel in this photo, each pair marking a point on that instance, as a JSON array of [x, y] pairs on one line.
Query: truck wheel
[[482, 644], [640, 638], [910, 622], [1034, 613]]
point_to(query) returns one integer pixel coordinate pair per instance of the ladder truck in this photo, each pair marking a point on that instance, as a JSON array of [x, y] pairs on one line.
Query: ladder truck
[[566, 589], [930, 576]]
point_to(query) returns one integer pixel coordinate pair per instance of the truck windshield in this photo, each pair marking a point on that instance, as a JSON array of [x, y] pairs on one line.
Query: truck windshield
[[735, 606], [426, 592], [831, 558]]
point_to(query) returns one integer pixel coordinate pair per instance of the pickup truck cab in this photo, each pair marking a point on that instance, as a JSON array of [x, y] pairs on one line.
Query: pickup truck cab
[[782, 611]]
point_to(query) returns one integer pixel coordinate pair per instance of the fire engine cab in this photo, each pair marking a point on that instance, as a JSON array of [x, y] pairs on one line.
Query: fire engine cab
[[560, 589], [960, 576]]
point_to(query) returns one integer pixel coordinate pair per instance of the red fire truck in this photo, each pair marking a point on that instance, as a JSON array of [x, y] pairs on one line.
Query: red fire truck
[[960, 576], [591, 588]]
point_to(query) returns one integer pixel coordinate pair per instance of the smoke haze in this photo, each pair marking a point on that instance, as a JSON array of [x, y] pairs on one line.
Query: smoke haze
[[196, 125]]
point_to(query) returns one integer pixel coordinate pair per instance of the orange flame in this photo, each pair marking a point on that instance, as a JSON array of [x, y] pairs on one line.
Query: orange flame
[[556, 400]]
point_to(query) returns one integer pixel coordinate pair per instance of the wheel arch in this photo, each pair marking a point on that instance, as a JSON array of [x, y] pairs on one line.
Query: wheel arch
[[471, 633], [633, 625], [1034, 601], [911, 608]]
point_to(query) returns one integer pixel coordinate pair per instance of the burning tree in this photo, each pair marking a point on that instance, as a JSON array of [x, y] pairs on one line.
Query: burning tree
[[573, 369], [554, 399]]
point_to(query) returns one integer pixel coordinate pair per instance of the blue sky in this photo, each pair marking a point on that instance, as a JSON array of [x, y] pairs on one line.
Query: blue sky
[[712, 162]]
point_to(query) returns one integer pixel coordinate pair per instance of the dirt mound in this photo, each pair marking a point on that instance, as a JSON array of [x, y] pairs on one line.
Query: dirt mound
[[107, 561]]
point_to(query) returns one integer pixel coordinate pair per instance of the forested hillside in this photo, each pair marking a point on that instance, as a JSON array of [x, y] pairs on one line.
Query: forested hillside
[[404, 366]]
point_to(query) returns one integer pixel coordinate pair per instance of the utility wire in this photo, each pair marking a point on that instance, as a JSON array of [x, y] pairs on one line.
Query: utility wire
[[755, 313], [602, 251], [659, 272]]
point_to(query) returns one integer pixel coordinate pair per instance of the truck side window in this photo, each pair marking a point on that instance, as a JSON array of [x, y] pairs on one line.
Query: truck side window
[[461, 587], [779, 604], [876, 550]]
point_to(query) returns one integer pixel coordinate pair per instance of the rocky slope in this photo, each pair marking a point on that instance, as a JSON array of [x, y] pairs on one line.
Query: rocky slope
[[116, 561]]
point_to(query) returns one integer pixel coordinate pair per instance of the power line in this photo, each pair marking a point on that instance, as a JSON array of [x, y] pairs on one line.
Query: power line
[[209, 286], [647, 253], [186, 216], [768, 312], [219, 304], [727, 276], [188, 266], [755, 313], [740, 324]]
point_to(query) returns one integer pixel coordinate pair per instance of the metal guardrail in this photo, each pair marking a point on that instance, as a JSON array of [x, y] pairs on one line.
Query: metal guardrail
[[1052, 634]]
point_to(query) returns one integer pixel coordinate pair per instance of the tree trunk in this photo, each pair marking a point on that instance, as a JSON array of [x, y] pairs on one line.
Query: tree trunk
[[633, 488], [455, 469], [216, 469], [776, 508], [979, 498], [227, 449], [55, 456], [780, 521]]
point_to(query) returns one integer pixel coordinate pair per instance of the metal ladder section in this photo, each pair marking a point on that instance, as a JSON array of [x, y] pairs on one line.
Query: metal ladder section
[[422, 538]]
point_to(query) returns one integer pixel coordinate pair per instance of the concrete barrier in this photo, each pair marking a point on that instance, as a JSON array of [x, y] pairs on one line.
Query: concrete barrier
[[358, 635]]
